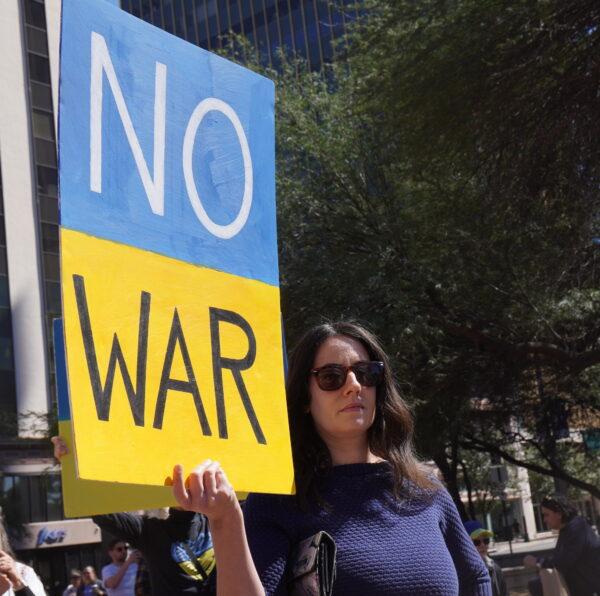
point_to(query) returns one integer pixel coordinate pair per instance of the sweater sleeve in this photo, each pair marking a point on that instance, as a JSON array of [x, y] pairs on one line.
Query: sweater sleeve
[[269, 542], [126, 526], [473, 576]]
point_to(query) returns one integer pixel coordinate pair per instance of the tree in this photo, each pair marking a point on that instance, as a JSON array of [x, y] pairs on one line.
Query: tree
[[441, 184]]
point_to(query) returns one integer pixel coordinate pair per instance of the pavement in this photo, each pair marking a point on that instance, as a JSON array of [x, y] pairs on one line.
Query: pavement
[[520, 546], [515, 574]]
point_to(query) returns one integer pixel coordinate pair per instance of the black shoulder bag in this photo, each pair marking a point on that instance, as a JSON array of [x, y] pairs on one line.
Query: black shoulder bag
[[312, 566]]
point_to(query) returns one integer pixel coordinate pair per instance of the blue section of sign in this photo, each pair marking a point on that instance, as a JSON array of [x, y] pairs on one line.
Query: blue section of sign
[[219, 171], [60, 369]]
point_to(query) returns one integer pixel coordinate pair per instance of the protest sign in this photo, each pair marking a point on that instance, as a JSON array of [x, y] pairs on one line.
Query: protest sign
[[92, 497], [169, 256]]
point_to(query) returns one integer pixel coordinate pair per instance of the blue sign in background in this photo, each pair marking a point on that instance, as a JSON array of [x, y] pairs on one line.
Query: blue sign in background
[[122, 212]]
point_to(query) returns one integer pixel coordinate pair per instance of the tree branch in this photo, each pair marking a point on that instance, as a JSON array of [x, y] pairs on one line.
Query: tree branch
[[554, 471]]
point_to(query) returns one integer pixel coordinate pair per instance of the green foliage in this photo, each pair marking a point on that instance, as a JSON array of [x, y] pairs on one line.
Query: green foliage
[[441, 184]]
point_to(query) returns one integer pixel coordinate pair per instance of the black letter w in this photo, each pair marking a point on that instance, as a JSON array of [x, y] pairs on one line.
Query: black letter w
[[102, 396]]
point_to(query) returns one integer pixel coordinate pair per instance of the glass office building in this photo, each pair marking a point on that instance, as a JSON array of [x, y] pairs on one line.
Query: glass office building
[[305, 28]]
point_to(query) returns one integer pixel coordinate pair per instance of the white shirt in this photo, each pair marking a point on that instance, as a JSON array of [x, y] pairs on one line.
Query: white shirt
[[127, 585], [28, 577]]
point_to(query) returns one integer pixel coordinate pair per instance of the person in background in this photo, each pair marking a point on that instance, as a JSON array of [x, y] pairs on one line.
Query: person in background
[[119, 576], [178, 550], [481, 539], [91, 585], [72, 588], [16, 578], [577, 552]]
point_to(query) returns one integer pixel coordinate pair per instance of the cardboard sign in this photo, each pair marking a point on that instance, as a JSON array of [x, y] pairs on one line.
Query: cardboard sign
[[91, 497], [169, 256]]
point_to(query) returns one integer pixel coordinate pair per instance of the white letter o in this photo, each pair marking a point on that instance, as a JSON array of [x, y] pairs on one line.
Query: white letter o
[[233, 228]]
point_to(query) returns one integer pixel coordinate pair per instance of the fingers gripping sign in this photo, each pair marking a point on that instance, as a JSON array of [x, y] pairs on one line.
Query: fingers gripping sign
[[207, 490], [60, 447]]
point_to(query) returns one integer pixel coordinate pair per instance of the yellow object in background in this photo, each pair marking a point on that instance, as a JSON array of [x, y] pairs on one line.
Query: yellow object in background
[[169, 363]]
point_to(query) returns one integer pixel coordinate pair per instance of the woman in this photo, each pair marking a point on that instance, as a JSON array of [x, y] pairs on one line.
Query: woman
[[577, 551], [397, 531], [16, 578]]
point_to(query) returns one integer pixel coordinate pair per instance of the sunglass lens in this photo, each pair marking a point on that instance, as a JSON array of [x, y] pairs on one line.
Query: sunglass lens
[[369, 373], [331, 378]]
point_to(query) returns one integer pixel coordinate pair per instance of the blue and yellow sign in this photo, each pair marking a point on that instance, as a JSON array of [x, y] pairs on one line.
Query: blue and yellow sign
[[169, 256]]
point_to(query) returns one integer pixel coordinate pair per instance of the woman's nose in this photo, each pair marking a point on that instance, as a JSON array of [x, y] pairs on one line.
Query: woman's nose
[[352, 385]]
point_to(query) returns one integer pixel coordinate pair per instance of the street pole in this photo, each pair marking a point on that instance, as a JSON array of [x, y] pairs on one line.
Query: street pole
[[508, 530]]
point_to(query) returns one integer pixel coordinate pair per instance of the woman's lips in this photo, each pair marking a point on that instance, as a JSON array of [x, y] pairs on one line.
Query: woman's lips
[[353, 408]]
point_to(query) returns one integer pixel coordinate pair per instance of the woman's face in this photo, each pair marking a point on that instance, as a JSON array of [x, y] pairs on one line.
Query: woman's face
[[553, 519], [347, 412]]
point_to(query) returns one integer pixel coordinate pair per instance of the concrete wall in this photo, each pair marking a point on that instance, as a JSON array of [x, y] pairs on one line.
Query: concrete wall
[[21, 222]]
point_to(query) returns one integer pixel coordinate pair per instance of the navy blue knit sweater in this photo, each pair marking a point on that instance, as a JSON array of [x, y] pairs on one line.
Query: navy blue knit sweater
[[414, 546]]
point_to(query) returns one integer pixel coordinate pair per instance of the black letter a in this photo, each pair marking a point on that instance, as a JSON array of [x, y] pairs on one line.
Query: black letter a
[[102, 396], [189, 386]]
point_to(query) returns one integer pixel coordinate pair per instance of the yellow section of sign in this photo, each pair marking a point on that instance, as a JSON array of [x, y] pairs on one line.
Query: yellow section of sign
[[91, 497], [172, 363]]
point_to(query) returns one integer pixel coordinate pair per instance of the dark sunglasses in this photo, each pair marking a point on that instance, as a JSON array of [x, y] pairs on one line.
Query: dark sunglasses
[[478, 541], [333, 376]]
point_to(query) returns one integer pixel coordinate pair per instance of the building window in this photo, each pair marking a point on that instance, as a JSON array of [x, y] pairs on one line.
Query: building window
[[34, 13], [27, 499], [306, 28]]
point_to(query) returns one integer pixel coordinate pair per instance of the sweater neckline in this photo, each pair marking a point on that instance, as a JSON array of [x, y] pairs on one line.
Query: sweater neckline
[[364, 469]]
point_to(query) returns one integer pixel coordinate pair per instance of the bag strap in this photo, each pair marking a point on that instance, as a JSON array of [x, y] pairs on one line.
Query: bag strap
[[194, 561]]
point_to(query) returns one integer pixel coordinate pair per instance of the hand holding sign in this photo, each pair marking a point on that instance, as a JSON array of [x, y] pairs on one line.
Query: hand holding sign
[[60, 447], [206, 491]]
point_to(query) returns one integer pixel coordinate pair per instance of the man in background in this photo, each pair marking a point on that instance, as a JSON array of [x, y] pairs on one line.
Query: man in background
[[177, 550], [119, 575]]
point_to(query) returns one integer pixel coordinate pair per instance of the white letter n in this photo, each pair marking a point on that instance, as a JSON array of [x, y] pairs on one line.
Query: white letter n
[[154, 186]]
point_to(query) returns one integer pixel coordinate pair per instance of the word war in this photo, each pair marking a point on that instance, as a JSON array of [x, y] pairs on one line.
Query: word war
[[137, 396]]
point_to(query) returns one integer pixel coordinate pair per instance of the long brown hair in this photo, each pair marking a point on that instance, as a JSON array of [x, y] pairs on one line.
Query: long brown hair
[[4, 541], [390, 436]]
